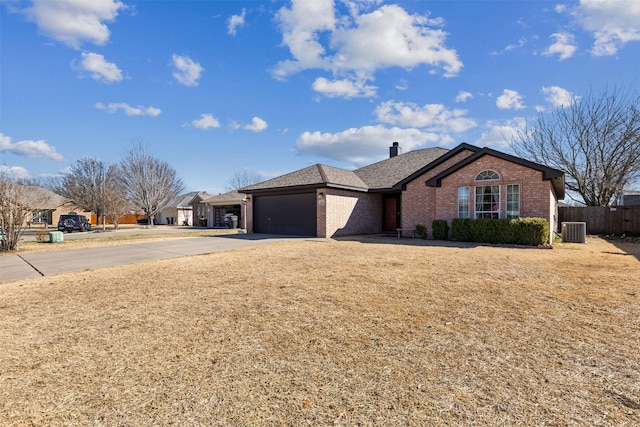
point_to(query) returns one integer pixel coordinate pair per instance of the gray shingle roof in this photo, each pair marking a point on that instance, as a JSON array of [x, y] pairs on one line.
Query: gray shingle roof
[[42, 199], [389, 172], [316, 175], [395, 172], [183, 200], [229, 198], [381, 175]]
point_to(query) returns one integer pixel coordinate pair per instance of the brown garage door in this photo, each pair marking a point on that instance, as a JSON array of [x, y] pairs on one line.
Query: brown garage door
[[291, 214]]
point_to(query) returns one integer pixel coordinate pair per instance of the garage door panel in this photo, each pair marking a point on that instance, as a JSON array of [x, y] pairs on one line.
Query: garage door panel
[[293, 214]]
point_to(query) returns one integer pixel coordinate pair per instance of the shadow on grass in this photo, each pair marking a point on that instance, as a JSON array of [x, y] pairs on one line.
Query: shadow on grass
[[393, 240], [628, 246], [406, 241]]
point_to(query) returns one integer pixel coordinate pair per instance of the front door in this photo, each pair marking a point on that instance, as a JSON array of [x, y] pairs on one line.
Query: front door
[[391, 213]]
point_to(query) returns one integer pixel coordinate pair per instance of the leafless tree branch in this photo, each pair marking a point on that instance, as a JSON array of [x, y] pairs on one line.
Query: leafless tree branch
[[595, 141]]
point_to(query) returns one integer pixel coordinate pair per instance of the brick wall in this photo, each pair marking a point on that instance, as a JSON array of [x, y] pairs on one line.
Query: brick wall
[[249, 214], [349, 212], [537, 198], [418, 204]]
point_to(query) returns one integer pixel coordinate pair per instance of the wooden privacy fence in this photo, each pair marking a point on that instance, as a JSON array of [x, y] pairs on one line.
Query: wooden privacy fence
[[614, 220], [126, 219]]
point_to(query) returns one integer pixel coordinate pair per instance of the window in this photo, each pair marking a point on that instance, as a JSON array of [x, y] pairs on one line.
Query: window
[[463, 202], [487, 176], [513, 201], [488, 201], [39, 217]]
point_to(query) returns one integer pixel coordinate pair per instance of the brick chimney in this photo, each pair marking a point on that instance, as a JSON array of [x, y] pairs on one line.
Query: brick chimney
[[395, 150]]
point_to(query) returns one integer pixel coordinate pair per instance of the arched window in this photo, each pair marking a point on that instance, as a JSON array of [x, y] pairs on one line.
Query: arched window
[[487, 176]]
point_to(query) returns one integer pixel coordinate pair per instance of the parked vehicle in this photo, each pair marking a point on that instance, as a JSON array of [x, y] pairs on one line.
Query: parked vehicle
[[70, 223]]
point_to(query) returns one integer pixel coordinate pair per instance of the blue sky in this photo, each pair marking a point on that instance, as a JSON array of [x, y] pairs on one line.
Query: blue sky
[[219, 87]]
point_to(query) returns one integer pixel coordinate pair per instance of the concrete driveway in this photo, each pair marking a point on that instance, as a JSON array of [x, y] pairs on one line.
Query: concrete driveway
[[24, 266]]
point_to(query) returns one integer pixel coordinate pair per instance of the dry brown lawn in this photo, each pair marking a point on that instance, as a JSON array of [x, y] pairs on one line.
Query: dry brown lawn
[[347, 333]]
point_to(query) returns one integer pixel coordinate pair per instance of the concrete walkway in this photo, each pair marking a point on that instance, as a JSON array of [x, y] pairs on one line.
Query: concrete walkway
[[28, 265]]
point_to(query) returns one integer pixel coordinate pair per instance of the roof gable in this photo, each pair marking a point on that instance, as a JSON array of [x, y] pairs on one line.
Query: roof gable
[[556, 176]]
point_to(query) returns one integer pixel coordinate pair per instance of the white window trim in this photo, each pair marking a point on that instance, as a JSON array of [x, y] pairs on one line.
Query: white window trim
[[475, 204], [468, 202], [487, 179], [506, 210]]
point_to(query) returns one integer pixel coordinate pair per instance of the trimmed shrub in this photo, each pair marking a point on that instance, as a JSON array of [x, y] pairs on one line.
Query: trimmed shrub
[[462, 229], [421, 230], [522, 231], [440, 229]]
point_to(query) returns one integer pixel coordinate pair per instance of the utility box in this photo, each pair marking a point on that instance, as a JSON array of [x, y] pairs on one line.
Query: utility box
[[574, 232], [56, 237]]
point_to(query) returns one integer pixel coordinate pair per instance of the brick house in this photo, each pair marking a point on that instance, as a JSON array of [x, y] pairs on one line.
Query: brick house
[[404, 190], [47, 207]]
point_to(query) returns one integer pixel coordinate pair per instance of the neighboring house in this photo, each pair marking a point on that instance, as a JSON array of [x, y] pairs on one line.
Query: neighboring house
[[179, 211], [48, 206], [223, 207], [201, 212], [630, 198], [405, 190]]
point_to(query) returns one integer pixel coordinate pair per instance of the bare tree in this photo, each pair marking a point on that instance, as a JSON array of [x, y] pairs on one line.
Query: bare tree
[[595, 141], [150, 183], [117, 204], [242, 179], [15, 209], [85, 185]]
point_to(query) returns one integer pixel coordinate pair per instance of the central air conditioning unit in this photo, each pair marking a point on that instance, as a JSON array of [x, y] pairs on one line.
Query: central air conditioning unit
[[574, 232]]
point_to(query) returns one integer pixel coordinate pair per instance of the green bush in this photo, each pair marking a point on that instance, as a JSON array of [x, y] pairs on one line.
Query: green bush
[[522, 231], [462, 230], [440, 229], [421, 230]]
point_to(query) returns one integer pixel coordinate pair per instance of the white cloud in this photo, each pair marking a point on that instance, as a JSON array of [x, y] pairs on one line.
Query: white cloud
[[564, 46], [15, 172], [500, 134], [99, 68], [510, 100], [75, 21], [128, 109], [559, 97], [435, 117], [613, 23], [344, 88], [301, 27], [366, 144], [187, 71], [206, 121], [390, 37], [361, 43], [236, 21], [512, 46], [257, 125], [29, 148], [463, 96]]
